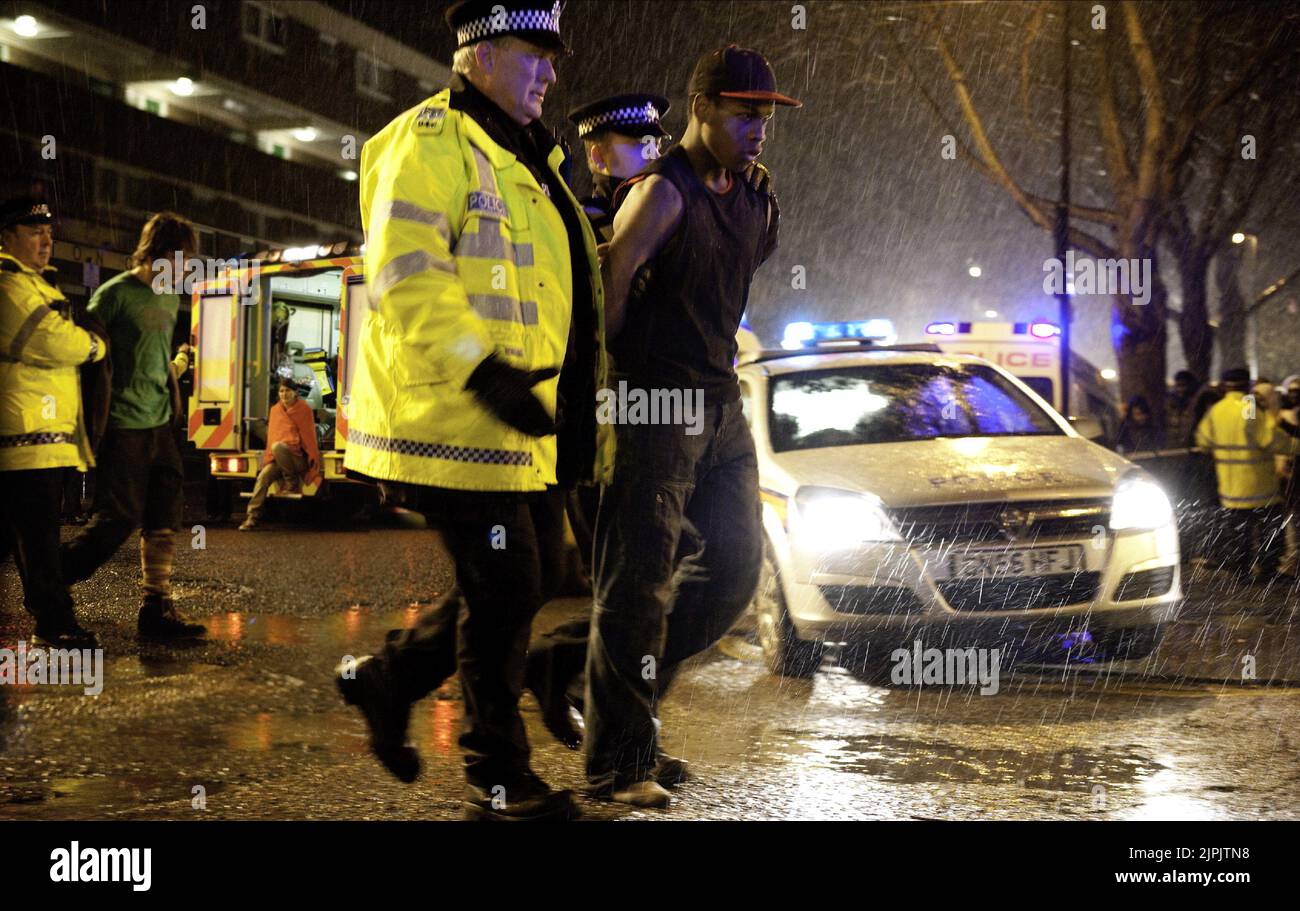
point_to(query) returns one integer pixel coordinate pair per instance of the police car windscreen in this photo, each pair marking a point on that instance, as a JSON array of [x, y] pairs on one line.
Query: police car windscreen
[[895, 403]]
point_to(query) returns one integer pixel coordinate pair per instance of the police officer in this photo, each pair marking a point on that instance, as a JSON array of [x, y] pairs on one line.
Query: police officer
[[1244, 436], [42, 430], [621, 135], [484, 285]]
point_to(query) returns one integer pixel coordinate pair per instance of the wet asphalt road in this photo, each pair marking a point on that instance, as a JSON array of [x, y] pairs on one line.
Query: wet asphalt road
[[252, 716]]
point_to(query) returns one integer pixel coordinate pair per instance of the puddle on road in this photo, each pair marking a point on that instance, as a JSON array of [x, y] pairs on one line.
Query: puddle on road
[[911, 761]]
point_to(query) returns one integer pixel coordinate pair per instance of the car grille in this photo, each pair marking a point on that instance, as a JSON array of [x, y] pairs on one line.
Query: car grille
[[871, 599], [1149, 583], [1021, 592], [1008, 521]]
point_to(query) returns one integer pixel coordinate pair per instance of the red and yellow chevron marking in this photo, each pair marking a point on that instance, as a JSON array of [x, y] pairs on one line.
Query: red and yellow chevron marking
[[212, 436]]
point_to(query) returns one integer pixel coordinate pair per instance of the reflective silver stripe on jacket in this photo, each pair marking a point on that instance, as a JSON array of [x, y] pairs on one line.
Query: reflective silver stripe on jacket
[[400, 268], [1263, 498], [505, 309], [409, 211], [26, 330]]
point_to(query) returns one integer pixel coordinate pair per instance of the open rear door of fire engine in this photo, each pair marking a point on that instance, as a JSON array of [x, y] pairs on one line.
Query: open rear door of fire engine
[[215, 400], [352, 317]]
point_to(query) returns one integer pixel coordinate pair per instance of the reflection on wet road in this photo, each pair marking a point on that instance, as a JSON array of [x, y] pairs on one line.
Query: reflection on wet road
[[248, 725]]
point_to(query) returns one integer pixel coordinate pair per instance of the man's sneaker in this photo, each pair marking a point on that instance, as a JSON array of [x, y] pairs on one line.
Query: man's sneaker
[[670, 771], [527, 800], [646, 793], [159, 620], [551, 697], [63, 632], [250, 523], [365, 685]]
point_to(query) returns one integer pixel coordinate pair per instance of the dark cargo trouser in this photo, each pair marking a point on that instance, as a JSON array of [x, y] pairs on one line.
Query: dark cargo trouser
[[1254, 539], [651, 612], [482, 624], [138, 484]]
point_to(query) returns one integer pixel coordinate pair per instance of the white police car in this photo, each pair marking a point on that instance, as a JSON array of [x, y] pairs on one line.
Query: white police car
[[911, 494]]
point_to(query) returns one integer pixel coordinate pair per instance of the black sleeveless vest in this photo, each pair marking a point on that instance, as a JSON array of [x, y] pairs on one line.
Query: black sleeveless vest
[[681, 332]]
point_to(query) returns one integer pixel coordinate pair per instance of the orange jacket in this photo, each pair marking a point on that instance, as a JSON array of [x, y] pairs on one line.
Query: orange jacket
[[286, 424]]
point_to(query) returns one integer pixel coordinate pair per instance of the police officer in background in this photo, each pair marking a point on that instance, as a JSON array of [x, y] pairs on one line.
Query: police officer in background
[[484, 285], [42, 429], [1244, 435], [621, 135]]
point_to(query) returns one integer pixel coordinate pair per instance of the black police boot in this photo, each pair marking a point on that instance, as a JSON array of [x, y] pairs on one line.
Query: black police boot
[[528, 799], [159, 620], [63, 631], [551, 696], [366, 685]]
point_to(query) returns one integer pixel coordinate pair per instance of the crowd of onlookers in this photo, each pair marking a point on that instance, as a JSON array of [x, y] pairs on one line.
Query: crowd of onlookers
[[1233, 447]]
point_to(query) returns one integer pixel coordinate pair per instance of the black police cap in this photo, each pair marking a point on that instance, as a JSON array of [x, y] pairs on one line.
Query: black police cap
[[24, 210], [634, 114], [537, 22]]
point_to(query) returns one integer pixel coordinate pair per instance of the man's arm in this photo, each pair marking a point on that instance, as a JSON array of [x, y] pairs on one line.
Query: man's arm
[[644, 222], [412, 201]]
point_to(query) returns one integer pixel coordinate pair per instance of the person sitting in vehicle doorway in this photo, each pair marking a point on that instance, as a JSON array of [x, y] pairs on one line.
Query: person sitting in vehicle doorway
[[291, 452]]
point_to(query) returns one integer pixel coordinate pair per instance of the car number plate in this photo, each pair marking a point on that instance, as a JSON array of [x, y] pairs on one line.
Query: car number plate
[[1017, 561]]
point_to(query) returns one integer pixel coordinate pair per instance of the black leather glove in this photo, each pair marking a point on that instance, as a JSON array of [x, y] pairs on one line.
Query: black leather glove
[[507, 392]]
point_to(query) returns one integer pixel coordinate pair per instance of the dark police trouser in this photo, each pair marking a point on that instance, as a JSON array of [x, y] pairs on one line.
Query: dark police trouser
[[483, 623], [1254, 539], [138, 485], [30, 500], [647, 618]]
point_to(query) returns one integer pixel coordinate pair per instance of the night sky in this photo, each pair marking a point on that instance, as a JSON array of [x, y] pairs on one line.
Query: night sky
[[883, 225]]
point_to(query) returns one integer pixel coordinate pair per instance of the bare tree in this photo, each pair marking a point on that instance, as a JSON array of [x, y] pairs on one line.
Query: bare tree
[[1148, 145]]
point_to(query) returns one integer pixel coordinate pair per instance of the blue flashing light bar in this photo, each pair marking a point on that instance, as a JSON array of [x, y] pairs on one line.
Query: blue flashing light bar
[[946, 328], [807, 335]]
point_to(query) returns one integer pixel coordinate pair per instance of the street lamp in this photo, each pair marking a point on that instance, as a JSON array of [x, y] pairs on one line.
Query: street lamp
[[1251, 258]]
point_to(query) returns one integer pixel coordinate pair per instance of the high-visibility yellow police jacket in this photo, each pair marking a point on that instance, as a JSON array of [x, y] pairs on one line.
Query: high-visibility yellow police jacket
[[465, 256], [1244, 438], [41, 424]]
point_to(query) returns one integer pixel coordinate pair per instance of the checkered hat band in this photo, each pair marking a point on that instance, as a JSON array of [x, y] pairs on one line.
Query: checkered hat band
[[445, 451], [641, 115], [530, 20]]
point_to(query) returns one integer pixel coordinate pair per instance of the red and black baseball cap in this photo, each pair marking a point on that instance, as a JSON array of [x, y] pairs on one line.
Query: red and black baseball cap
[[737, 72]]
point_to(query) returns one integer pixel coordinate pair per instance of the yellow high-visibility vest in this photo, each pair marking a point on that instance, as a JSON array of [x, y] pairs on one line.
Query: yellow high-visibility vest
[[1243, 437]]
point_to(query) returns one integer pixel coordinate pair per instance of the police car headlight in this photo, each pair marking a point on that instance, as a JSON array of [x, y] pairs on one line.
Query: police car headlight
[[830, 520], [1139, 503]]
